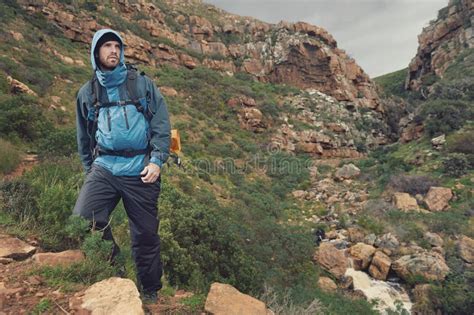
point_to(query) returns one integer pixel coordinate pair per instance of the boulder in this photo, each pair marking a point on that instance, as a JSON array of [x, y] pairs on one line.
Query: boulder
[[356, 235], [361, 255], [404, 202], [168, 91], [437, 198], [429, 265], [389, 242], [466, 249], [331, 259], [438, 141], [224, 299], [64, 258], [13, 248], [380, 266], [113, 296], [327, 284], [348, 171], [17, 87], [434, 239]]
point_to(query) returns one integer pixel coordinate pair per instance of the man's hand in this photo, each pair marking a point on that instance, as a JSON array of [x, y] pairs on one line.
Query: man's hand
[[150, 173]]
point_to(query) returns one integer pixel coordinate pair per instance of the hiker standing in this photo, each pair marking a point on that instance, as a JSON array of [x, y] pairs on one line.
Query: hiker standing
[[123, 136]]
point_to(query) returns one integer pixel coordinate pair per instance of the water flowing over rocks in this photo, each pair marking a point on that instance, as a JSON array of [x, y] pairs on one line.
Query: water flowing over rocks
[[386, 293]]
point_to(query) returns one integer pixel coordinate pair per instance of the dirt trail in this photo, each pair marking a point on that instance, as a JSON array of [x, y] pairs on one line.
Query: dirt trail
[[28, 162]]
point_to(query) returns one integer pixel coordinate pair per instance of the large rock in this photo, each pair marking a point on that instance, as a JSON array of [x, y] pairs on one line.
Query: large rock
[[466, 249], [380, 266], [429, 265], [327, 284], [224, 299], [388, 242], [434, 239], [361, 255], [437, 198], [11, 247], [348, 171], [113, 296], [404, 202], [64, 258], [331, 259], [17, 87]]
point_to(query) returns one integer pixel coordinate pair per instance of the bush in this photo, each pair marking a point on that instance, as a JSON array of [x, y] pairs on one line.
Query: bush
[[462, 143], [456, 164], [58, 142], [443, 116], [412, 184], [10, 157], [21, 117]]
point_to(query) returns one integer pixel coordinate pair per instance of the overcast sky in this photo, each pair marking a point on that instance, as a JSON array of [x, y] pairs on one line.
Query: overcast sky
[[380, 34]]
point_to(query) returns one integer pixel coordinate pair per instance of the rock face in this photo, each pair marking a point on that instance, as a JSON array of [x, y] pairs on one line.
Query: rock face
[[404, 201], [442, 41], [361, 255], [434, 239], [13, 248], [331, 259], [348, 171], [65, 258], [224, 299], [466, 249], [437, 198], [380, 266], [298, 54], [431, 266], [17, 87], [111, 296]]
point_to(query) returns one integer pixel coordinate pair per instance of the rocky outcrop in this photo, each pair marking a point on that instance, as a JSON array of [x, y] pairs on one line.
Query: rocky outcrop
[[442, 41], [332, 259], [380, 266], [17, 87], [404, 202], [361, 255], [466, 249], [434, 239], [64, 258], [429, 265], [298, 54], [348, 171], [437, 198], [114, 296], [12, 248], [327, 284], [224, 299]]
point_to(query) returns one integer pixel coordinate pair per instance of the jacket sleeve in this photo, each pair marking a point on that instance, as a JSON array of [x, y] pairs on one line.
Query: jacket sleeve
[[83, 138], [159, 125]]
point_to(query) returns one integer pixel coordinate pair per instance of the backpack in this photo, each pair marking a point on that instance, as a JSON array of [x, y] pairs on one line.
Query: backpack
[[132, 91]]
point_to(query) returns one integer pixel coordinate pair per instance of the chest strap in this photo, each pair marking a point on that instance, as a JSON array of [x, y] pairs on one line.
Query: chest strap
[[124, 153]]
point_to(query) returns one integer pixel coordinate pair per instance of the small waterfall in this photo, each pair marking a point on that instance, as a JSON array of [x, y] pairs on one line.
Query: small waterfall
[[385, 292]]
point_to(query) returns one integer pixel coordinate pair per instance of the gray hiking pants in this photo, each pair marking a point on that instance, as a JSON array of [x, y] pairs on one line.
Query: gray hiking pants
[[97, 199]]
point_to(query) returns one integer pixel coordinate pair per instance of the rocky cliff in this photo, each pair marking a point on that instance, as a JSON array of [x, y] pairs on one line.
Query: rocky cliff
[[441, 42], [190, 34]]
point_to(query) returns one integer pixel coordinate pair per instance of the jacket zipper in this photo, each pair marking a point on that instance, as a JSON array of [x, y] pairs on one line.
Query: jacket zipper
[[126, 118], [108, 119]]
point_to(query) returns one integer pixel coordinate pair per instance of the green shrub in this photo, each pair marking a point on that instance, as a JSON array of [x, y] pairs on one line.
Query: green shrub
[[462, 143], [456, 164], [444, 116], [21, 117], [58, 142], [412, 184], [10, 157]]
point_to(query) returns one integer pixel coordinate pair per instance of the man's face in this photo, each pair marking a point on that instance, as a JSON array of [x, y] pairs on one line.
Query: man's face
[[109, 55]]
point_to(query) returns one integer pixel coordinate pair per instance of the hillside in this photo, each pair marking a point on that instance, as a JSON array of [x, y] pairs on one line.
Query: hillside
[[283, 135]]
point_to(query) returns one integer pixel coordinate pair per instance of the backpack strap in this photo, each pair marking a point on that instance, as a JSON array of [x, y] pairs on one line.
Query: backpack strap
[[96, 92]]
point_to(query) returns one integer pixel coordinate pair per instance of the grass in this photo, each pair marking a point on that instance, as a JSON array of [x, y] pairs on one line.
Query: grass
[[10, 157]]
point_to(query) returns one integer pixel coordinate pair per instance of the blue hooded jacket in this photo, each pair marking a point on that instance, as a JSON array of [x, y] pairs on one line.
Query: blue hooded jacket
[[121, 127]]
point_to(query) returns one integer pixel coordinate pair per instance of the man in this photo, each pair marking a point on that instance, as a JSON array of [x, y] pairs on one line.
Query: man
[[123, 135]]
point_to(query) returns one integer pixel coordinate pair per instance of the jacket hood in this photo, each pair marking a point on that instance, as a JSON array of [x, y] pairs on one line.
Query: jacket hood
[[97, 36]]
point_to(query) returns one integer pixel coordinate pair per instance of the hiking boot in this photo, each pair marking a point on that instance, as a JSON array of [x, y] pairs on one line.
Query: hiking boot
[[149, 297]]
